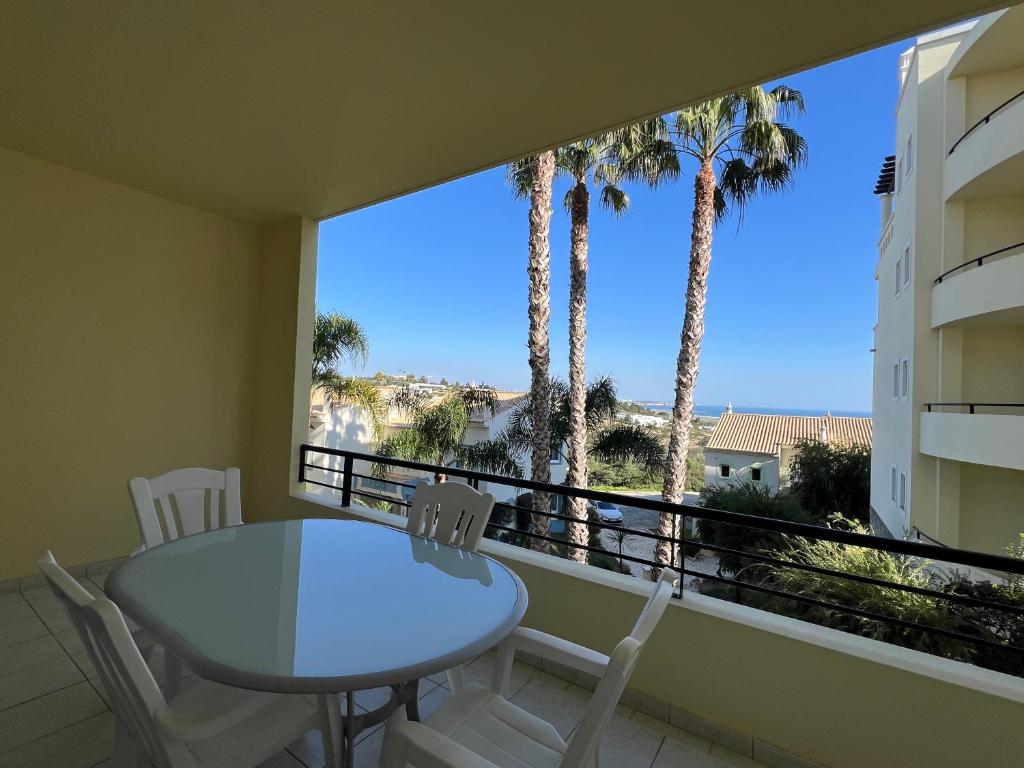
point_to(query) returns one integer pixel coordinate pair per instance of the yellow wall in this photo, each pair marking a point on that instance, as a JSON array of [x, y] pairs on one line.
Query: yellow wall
[[991, 507], [128, 343]]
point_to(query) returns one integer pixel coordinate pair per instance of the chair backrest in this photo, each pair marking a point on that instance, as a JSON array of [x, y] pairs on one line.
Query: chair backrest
[[587, 736], [134, 694], [184, 502], [452, 513]]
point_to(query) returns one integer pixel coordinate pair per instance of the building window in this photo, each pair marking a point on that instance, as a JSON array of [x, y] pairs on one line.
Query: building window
[[905, 378], [906, 267], [903, 490], [896, 381], [899, 175], [723, 470], [909, 155], [899, 275], [893, 482], [755, 474]]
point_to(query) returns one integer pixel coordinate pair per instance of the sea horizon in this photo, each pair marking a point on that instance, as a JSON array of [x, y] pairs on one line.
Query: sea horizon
[[718, 410]]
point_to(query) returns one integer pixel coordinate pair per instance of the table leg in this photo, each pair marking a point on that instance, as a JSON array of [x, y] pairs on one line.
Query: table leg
[[412, 704], [331, 730], [350, 728]]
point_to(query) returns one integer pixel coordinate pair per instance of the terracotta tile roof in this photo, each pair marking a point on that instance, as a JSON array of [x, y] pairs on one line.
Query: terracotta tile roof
[[760, 433]]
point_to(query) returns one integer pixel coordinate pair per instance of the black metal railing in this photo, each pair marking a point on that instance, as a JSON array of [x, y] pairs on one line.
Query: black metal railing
[[684, 542], [985, 120], [971, 407], [979, 261]]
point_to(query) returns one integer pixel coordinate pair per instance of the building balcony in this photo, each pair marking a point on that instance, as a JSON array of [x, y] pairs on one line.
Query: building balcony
[[978, 433], [993, 45], [988, 290], [988, 159]]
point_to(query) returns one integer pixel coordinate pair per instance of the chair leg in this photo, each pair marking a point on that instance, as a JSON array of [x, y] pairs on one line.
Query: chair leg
[[389, 758], [456, 681]]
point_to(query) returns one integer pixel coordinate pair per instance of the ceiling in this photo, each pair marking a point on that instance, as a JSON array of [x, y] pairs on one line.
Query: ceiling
[[272, 109], [992, 47]]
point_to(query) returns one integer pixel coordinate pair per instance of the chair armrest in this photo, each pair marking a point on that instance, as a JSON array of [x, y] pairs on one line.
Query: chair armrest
[[209, 719], [548, 647], [423, 747]]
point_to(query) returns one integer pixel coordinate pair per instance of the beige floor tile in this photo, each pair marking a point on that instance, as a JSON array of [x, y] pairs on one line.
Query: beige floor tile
[[14, 658], [627, 743], [555, 705], [41, 595], [16, 611], [429, 703], [31, 682], [367, 754], [21, 631], [309, 749], [57, 621], [46, 714], [81, 745], [684, 752]]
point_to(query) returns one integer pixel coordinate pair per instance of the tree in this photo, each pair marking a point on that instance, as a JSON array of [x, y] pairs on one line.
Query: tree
[[741, 148], [337, 338], [829, 478], [438, 429], [532, 178], [594, 160]]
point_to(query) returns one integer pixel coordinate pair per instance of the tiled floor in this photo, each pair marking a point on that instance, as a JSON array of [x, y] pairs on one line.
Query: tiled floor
[[53, 710]]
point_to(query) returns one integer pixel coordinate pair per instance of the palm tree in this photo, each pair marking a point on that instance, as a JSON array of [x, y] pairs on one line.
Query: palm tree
[[741, 148], [595, 160], [608, 441], [532, 178], [337, 338], [438, 429]]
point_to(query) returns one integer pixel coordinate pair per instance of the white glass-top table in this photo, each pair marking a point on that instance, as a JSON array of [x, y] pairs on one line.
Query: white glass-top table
[[319, 606]]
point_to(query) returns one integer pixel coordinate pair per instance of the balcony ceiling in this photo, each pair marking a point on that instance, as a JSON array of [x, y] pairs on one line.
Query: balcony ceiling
[[265, 110], [992, 46]]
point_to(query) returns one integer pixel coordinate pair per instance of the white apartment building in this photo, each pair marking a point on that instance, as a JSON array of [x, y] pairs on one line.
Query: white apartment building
[[948, 457]]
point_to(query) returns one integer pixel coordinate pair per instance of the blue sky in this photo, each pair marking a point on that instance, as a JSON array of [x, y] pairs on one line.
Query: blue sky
[[438, 278]]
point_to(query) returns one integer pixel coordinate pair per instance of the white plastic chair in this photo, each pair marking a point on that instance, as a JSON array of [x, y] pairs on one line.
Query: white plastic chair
[[452, 513], [479, 728], [185, 501], [209, 725]]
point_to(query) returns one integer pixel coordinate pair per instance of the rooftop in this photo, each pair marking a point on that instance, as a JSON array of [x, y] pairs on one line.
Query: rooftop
[[759, 433]]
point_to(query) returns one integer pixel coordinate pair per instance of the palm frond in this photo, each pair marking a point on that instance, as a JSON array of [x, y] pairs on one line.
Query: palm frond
[[519, 176], [339, 390], [630, 443], [337, 337], [614, 199], [497, 456]]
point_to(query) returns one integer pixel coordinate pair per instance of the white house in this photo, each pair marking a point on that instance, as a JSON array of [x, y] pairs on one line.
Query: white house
[[948, 460], [347, 427], [749, 447]]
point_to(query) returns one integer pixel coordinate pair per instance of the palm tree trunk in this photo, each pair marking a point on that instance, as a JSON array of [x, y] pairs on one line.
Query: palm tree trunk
[[539, 271], [576, 474], [689, 351]]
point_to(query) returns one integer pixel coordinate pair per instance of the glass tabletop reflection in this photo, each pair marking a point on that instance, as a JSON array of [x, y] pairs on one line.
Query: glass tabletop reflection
[[318, 605]]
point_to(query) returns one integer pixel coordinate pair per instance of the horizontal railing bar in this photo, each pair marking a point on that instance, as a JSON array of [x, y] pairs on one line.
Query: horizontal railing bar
[[974, 405], [969, 558], [382, 480], [564, 542], [588, 521], [882, 583], [977, 261], [380, 497], [856, 611], [984, 120]]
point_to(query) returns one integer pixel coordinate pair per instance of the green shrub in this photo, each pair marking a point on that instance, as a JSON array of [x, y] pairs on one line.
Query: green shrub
[[829, 479], [748, 499]]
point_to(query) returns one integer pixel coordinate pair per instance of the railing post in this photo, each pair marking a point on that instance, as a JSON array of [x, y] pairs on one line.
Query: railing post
[[302, 462], [971, 407], [682, 554], [346, 483]]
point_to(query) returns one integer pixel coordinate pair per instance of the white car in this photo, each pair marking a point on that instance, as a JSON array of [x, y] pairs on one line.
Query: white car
[[606, 511]]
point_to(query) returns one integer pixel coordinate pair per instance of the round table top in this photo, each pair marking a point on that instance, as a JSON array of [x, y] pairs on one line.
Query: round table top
[[318, 606]]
